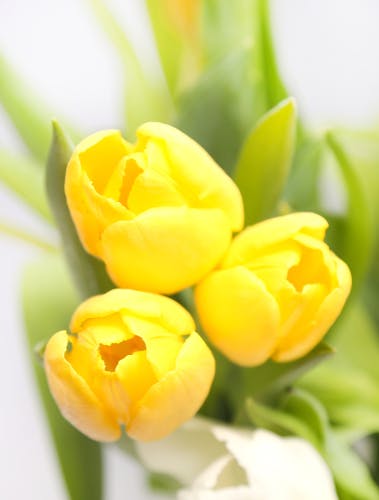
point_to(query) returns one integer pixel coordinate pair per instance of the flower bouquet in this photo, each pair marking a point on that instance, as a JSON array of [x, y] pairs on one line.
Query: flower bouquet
[[207, 310]]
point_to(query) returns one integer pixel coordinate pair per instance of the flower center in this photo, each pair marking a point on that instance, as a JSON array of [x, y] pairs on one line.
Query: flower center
[[112, 354], [132, 171], [310, 270]]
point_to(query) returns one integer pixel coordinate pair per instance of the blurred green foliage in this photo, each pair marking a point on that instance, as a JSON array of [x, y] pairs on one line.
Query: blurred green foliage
[[224, 88]]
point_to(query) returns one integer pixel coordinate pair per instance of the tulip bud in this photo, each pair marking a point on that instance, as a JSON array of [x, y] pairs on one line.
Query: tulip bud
[[132, 358], [159, 213], [276, 293]]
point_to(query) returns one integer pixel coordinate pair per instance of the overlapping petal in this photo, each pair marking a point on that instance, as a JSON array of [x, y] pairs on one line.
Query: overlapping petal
[[276, 293], [159, 213], [125, 364]]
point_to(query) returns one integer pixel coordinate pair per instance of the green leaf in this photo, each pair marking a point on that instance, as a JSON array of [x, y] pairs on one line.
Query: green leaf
[[179, 50], [264, 161], [48, 300], [27, 113], [163, 483], [88, 273], [307, 408], [351, 474], [358, 159], [242, 23], [225, 26], [278, 421], [361, 350], [220, 109], [303, 190], [273, 85], [241, 81], [146, 97], [351, 398], [269, 380], [347, 384], [25, 178]]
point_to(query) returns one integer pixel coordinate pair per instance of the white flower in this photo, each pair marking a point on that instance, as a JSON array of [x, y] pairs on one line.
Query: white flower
[[216, 462]]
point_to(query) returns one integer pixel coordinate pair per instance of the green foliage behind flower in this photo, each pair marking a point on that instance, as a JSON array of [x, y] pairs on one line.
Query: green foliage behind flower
[[223, 88]]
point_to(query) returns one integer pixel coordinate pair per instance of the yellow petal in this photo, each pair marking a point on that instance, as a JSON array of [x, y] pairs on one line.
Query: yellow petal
[[257, 239], [124, 175], [165, 250], [313, 325], [317, 263], [177, 396], [152, 189], [77, 403], [162, 347], [197, 174], [90, 210], [99, 155], [163, 310], [239, 315], [136, 376]]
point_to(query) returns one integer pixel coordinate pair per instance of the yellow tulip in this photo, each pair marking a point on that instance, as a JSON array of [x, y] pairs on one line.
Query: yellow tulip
[[160, 213], [133, 359], [276, 293]]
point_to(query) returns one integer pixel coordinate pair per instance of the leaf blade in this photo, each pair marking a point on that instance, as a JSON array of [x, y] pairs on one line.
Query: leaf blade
[[27, 113], [25, 178], [88, 273], [264, 161], [48, 299]]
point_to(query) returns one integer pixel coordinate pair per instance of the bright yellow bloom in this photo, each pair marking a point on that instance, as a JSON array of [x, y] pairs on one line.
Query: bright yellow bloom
[[160, 213], [132, 358], [276, 293]]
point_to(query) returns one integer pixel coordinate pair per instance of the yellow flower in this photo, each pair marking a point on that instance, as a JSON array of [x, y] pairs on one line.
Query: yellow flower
[[160, 213], [276, 293], [132, 358]]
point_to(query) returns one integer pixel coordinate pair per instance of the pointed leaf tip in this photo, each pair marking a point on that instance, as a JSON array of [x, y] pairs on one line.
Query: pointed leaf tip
[[265, 159]]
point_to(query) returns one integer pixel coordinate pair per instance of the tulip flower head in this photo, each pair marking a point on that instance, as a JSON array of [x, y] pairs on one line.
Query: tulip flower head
[[159, 213], [276, 293], [131, 359]]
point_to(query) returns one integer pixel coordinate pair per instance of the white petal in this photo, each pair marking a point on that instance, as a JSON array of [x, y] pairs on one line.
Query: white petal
[[209, 478], [236, 493], [279, 468], [185, 453]]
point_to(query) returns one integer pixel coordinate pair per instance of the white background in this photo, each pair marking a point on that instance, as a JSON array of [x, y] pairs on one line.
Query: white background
[[329, 55]]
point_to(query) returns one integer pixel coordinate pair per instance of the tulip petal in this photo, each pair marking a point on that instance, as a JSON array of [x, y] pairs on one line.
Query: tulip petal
[[162, 347], [165, 250], [177, 396], [239, 315], [249, 244], [298, 469], [136, 376], [87, 173], [165, 311], [317, 263], [122, 178], [99, 155], [77, 403], [152, 189], [87, 360], [195, 171], [316, 319], [179, 454], [236, 493]]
